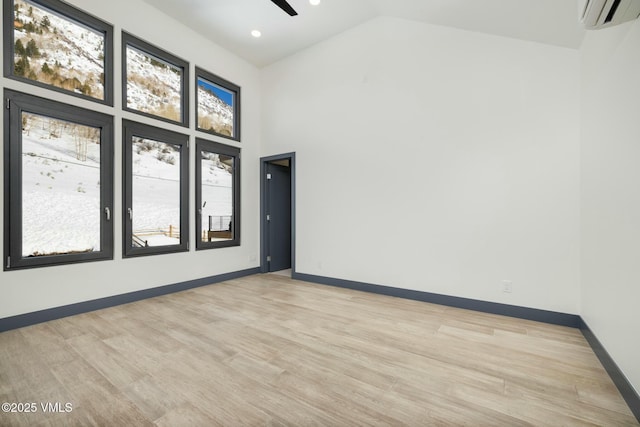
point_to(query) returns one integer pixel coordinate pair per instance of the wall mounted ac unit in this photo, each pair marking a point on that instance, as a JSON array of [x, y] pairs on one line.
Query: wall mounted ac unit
[[596, 14]]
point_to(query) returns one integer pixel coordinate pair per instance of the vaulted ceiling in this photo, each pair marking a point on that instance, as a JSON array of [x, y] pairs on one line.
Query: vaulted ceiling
[[229, 22]]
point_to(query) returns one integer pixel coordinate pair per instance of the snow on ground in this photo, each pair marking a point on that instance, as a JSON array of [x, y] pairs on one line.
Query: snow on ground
[[214, 113], [161, 240], [77, 49], [60, 194], [151, 87], [217, 193], [142, 74], [61, 190], [156, 190]]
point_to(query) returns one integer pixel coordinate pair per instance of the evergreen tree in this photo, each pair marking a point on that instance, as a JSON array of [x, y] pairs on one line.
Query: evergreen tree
[[22, 67], [32, 50], [46, 69], [45, 22], [19, 48]]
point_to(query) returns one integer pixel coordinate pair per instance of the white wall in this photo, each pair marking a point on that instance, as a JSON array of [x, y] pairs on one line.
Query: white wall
[[610, 197], [433, 159], [35, 289], [428, 158]]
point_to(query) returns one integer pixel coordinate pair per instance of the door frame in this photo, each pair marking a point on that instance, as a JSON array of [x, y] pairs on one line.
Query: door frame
[[264, 267]]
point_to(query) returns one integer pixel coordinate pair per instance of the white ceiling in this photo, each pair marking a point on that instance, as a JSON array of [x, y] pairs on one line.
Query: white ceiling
[[229, 22]]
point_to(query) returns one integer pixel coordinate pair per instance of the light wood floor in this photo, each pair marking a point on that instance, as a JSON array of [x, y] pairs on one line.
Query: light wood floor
[[268, 351]]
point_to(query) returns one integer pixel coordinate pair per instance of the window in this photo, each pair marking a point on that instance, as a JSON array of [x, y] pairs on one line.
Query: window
[[51, 44], [217, 195], [156, 190], [218, 105], [58, 183], [155, 82]]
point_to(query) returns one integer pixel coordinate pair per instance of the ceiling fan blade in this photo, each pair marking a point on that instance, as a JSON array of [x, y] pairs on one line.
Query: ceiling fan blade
[[282, 4]]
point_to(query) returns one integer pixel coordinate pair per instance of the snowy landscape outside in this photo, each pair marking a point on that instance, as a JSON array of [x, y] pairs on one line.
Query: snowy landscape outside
[[60, 187], [155, 193], [54, 50], [61, 206], [215, 108], [217, 194], [153, 86]]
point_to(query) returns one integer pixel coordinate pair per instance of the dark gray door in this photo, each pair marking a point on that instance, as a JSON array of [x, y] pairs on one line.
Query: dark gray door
[[279, 217]]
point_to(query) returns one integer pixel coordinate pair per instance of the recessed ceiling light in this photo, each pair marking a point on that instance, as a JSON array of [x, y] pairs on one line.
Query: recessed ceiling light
[[256, 33], [314, 2]]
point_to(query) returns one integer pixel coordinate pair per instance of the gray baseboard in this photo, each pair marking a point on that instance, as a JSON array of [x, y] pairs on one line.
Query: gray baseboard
[[27, 319], [555, 318], [571, 320], [625, 388]]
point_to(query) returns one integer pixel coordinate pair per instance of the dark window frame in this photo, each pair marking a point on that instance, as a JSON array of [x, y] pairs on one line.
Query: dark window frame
[[206, 75], [19, 102], [129, 130], [218, 148], [71, 13], [150, 49]]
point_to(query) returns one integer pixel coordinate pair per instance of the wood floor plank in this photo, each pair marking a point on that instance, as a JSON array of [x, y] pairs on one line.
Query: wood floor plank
[[186, 415], [152, 397], [113, 366], [271, 351], [96, 401], [588, 413]]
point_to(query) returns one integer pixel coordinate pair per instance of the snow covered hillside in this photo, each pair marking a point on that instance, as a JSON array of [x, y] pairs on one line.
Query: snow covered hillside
[[152, 86], [61, 207], [213, 113], [56, 51], [60, 187]]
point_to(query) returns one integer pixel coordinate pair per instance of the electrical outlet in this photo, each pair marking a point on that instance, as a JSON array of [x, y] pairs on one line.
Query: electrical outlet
[[507, 286]]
